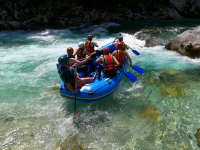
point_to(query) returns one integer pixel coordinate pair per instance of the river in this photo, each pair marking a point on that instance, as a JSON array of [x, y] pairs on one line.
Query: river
[[159, 111]]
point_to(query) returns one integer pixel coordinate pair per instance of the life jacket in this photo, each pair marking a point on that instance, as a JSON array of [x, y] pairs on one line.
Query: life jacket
[[121, 57], [72, 56], [123, 46], [79, 54], [109, 63], [88, 48], [72, 80]]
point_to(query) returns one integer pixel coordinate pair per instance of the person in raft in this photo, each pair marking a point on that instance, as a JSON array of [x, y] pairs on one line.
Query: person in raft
[[80, 66], [68, 74], [80, 52], [120, 38], [120, 55], [89, 47], [109, 62], [70, 52], [90, 51]]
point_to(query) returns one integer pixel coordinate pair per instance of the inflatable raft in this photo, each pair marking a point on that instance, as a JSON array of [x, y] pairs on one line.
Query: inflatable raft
[[97, 90]]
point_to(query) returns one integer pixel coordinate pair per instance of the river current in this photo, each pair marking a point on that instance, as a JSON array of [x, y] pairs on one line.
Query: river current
[[159, 111]]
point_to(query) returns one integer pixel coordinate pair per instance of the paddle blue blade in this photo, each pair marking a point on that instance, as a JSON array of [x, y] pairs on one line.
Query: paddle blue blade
[[57, 65], [135, 52], [129, 76], [138, 69]]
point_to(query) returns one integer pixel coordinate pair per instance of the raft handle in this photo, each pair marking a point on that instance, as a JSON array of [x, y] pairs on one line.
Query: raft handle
[[90, 92]]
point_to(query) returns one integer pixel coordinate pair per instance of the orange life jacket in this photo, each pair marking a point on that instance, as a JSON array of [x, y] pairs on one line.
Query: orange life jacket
[[88, 48], [79, 54], [121, 57], [123, 47], [109, 63]]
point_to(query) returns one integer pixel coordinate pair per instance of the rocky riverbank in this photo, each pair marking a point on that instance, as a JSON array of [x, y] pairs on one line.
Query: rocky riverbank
[[27, 14]]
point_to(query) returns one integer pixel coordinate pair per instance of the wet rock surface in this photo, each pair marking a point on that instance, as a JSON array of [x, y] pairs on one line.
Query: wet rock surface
[[149, 36], [186, 43]]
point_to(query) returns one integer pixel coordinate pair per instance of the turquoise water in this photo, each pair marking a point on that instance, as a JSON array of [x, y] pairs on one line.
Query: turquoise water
[[159, 111]]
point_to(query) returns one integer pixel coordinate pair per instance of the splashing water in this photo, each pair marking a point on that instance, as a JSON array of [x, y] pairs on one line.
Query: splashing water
[[159, 111]]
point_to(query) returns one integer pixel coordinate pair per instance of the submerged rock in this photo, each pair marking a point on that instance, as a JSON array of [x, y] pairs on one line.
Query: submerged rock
[[53, 88], [72, 144], [187, 43], [198, 136], [175, 91], [151, 114]]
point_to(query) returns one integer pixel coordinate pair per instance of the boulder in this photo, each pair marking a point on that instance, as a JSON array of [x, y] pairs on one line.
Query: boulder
[[186, 7], [148, 36], [186, 43]]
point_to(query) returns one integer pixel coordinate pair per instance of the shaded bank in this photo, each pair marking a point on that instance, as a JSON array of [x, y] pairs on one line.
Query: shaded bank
[[26, 14]]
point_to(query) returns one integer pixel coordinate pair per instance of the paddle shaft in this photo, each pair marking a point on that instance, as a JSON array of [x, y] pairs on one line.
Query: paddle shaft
[[75, 95]]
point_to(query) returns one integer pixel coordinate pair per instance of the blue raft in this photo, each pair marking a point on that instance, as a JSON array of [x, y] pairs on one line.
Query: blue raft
[[97, 90]]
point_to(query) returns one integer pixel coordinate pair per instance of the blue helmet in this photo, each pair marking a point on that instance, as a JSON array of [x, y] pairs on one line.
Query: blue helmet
[[63, 60]]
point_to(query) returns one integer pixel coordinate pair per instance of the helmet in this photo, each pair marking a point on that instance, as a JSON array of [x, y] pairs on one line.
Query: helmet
[[89, 37], [120, 38], [63, 60], [70, 49], [106, 50], [81, 44], [119, 44]]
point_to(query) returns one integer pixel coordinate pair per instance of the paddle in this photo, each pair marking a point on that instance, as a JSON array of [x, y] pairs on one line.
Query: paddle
[[136, 68], [75, 95], [134, 51], [129, 76]]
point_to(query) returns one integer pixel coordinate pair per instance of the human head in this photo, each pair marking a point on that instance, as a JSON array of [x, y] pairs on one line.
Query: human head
[[90, 37], [63, 60], [119, 45], [120, 38], [81, 44], [106, 50], [70, 50]]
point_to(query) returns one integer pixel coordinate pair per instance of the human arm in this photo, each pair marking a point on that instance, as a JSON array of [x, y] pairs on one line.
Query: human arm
[[126, 47], [75, 53], [84, 52], [117, 63], [114, 53], [87, 53], [114, 43], [69, 86], [100, 59], [94, 44], [83, 61], [129, 58]]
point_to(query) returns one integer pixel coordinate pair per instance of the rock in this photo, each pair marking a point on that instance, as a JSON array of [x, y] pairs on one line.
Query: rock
[[187, 7], [151, 113], [179, 5], [198, 136], [148, 36], [187, 43], [174, 14]]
